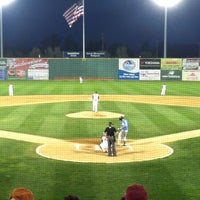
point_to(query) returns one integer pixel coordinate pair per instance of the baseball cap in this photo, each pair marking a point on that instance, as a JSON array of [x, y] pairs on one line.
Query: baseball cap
[[121, 117], [136, 192], [110, 123]]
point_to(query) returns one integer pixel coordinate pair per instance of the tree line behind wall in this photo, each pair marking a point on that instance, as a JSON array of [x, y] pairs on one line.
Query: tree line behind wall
[[54, 45]]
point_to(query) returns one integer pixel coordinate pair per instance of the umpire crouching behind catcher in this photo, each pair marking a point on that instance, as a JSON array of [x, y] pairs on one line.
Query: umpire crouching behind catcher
[[110, 132]]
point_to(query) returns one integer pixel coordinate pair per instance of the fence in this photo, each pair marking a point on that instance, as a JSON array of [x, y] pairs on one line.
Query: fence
[[187, 69]]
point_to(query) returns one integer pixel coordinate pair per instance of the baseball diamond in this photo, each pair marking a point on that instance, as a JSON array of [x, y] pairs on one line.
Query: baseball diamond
[[85, 150]]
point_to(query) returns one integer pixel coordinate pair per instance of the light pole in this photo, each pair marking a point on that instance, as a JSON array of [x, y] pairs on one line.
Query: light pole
[[166, 4], [2, 3]]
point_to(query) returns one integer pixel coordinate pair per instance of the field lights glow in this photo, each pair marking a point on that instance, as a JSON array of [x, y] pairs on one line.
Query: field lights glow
[[5, 2], [167, 3]]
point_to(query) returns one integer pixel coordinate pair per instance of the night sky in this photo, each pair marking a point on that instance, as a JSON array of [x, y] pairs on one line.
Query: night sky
[[131, 22]]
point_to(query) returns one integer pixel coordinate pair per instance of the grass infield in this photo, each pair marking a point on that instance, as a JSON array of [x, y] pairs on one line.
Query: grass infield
[[172, 178]]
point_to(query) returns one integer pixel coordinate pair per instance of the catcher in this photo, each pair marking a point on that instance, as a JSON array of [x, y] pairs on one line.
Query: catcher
[[104, 143]]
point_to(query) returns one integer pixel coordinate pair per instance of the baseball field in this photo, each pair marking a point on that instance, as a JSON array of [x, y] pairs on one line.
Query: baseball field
[[50, 139]]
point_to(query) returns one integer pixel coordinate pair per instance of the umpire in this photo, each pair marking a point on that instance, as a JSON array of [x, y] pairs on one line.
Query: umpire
[[110, 132]]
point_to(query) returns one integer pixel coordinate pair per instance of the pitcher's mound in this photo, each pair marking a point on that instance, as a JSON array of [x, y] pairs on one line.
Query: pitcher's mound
[[90, 114]]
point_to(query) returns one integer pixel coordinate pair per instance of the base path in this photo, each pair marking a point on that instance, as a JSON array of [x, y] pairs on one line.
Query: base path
[[87, 150]]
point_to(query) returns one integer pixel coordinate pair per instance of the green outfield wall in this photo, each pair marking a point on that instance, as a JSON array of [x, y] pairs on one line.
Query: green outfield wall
[[180, 69], [87, 68]]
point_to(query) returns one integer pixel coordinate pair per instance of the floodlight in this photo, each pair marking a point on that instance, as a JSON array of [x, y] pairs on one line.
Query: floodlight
[[2, 3], [166, 4]]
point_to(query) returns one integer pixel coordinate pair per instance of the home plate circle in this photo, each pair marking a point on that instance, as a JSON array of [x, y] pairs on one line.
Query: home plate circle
[[86, 150]]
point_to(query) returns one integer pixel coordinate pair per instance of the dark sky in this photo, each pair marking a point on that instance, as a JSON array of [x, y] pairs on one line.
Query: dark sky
[[27, 22]]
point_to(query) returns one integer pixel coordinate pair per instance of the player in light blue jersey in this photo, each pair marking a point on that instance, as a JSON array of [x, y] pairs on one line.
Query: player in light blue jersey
[[123, 130]]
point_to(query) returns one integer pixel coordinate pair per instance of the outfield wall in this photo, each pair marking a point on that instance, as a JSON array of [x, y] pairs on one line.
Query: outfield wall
[[187, 69], [88, 68]]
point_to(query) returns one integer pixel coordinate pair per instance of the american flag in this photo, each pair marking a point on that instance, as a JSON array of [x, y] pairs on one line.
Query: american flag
[[72, 14]]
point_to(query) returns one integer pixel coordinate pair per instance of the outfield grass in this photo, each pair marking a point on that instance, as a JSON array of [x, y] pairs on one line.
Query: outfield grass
[[173, 178]]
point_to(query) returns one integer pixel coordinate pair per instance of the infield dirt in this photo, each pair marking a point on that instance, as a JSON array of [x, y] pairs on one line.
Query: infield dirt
[[87, 150]]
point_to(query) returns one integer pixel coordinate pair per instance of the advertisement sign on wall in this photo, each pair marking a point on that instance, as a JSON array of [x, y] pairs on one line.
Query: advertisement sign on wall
[[188, 75], [2, 74], [67, 54], [17, 68], [128, 69], [3, 63], [171, 75], [150, 63], [149, 75], [3, 69], [191, 64], [38, 74], [93, 54], [171, 63]]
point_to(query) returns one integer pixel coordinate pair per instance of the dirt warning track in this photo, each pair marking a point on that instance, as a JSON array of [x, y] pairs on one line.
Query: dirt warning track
[[87, 150]]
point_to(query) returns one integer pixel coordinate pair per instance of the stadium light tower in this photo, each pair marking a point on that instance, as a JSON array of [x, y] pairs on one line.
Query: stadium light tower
[[2, 3], [166, 4]]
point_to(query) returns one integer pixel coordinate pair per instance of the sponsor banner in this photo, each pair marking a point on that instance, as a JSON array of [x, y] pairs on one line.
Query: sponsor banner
[[67, 54], [95, 54], [128, 69], [17, 68], [2, 74], [188, 75], [149, 75], [27, 63], [3, 63], [38, 74], [171, 64], [150, 63], [16, 74], [128, 76], [191, 64], [171, 74]]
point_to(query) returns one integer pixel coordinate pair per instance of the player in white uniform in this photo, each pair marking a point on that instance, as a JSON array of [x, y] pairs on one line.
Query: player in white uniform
[[10, 89], [164, 87], [104, 143], [81, 79], [95, 99]]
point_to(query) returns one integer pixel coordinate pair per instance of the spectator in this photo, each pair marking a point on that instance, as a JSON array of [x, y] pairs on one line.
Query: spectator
[[21, 194], [136, 192]]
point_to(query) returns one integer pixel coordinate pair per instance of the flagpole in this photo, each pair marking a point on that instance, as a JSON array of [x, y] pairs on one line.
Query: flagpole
[[83, 29]]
